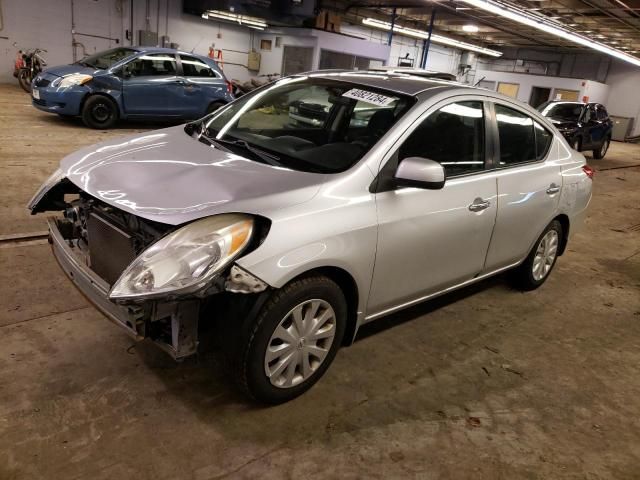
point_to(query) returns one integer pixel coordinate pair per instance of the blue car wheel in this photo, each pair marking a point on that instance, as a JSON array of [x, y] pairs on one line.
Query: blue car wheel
[[99, 112]]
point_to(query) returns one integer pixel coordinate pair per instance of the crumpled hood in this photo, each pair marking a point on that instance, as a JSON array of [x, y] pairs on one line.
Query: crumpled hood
[[169, 177]]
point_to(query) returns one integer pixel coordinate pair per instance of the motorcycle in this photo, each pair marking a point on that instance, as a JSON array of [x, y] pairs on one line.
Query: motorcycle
[[28, 66], [241, 88]]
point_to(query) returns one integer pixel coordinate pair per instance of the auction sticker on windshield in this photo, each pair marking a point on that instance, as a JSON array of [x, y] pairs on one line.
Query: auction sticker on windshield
[[369, 97]]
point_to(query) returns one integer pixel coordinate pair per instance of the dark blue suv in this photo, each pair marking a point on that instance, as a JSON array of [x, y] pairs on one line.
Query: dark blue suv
[[133, 82]]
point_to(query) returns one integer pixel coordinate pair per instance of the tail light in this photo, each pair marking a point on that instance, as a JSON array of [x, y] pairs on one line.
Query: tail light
[[590, 172], [229, 86]]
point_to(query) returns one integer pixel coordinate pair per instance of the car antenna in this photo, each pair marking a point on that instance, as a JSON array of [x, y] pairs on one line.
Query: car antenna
[[198, 43], [478, 82]]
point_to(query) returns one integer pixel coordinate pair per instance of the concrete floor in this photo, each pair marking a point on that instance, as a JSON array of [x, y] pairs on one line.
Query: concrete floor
[[489, 383]]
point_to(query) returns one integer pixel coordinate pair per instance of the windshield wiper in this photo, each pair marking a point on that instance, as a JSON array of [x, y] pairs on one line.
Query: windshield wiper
[[266, 157]]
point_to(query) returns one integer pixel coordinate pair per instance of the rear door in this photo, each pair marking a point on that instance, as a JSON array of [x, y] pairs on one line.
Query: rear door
[[529, 183], [593, 128], [151, 86], [201, 85]]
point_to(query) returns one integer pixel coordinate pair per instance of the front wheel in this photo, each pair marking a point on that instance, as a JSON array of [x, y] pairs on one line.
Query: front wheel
[[99, 112], [599, 153], [575, 144], [538, 265], [293, 340], [24, 79]]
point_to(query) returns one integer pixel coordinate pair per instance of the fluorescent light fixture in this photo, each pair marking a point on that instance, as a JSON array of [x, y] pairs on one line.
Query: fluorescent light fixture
[[251, 22], [470, 28], [410, 32], [539, 23]]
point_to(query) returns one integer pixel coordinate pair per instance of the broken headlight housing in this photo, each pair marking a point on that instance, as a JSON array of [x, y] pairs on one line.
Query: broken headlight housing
[[48, 184], [185, 260]]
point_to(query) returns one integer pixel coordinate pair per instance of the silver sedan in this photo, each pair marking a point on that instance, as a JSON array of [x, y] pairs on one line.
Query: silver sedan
[[283, 237]]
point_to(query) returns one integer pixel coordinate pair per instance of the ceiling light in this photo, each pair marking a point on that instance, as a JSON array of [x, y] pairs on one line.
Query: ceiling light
[[470, 28], [538, 22], [410, 32], [251, 22]]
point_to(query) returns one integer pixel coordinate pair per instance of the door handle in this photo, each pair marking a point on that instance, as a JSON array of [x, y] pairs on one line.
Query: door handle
[[553, 188], [479, 204]]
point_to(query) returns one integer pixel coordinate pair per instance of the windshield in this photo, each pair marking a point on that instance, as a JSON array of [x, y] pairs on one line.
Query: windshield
[[306, 123], [568, 111], [106, 59]]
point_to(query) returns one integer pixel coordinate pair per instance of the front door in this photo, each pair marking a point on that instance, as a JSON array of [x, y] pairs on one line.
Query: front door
[[150, 85], [429, 240]]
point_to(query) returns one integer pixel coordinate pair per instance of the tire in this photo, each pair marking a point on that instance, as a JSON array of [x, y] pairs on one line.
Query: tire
[[575, 144], [531, 273], [213, 106], [99, 112], [599, 153], [281, 376], [24, 79]]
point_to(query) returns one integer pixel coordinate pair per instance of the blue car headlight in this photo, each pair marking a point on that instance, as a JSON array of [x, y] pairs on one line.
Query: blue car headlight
[[75, 79]]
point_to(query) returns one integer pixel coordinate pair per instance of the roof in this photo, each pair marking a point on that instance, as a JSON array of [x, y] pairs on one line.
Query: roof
[[144, 49], [397, 82]]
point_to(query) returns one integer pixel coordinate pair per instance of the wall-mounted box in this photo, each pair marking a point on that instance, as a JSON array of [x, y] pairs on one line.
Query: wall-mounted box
[[147, 39], [253, 61]]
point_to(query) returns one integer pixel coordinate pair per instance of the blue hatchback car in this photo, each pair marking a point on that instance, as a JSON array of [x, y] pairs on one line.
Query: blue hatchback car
[[133, 82]]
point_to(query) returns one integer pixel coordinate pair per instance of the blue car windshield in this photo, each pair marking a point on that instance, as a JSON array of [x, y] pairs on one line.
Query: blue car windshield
[[105, 59], [307, 123]]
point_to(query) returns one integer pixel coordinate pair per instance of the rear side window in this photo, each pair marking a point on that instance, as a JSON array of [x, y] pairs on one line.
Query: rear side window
[[452, 136], [152, 65], [543, 141], [522, 139], [193, 67], [517, 138]]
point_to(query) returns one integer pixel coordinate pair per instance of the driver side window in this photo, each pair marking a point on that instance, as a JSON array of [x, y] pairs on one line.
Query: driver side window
[[152, 65], [452, 136]]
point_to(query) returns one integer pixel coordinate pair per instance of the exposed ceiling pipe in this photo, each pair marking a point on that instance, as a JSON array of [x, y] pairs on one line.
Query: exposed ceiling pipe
[[611, 15], [497, 26], [166, 22], [631, 11], [148, 16]]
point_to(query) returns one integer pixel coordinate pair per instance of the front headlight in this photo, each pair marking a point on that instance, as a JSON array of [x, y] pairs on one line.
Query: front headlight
[[186, 260], [48, 184], [75, 79]]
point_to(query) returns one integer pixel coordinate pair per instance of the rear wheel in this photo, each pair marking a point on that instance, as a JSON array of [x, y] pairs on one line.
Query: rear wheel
[[599, 153], [292, 341], [99, 112], [536, 268], [213, 106]]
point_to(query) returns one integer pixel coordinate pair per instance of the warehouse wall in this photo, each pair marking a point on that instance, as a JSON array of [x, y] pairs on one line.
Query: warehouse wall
[[36, 23], [624, 96], [597, 92]]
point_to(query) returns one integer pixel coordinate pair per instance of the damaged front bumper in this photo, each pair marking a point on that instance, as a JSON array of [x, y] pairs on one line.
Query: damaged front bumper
[[173, 326]]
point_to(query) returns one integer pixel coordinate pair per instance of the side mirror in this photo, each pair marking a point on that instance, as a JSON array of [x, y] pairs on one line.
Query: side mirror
[[420, 172]]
